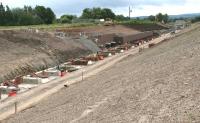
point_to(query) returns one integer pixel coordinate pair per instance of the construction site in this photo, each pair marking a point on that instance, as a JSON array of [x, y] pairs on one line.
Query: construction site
[[112, 73], [30, 57]]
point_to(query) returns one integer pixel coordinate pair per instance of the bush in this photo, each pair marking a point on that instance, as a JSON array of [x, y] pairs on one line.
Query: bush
[[197, 19]]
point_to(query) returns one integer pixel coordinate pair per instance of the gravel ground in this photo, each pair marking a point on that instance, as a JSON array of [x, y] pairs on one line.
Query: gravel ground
[[158, 85]]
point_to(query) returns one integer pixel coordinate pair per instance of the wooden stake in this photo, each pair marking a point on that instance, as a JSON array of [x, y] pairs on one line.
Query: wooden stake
[[0, 93], [15, 107], [82, 75]]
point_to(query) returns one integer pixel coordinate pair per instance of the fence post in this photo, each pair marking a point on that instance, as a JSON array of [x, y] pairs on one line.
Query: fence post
[[0, 93], [15, 107], [82, 75]]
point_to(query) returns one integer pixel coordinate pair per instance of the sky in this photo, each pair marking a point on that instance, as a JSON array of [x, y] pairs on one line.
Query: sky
[[139, 7]]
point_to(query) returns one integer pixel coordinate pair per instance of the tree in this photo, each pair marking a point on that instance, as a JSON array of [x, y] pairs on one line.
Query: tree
[[21, 17], [196, 19], [107, 13], [8, 16], [87, 13], [2, 14], [152, 18], [50, 16], [26, 15], [2, 9], [45, 14], [97, 13], [40, 11], [162, 18], [159, 17], [165, 18], [121, 18], [67, 18]]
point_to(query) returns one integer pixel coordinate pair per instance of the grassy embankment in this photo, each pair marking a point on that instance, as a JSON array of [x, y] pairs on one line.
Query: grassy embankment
[[76, 25], [50, 26]]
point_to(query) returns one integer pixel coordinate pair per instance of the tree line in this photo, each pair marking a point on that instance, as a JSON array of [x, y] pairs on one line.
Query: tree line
[[106, 13], [163, 18], [94, 13], [26, 15], [44, 15]]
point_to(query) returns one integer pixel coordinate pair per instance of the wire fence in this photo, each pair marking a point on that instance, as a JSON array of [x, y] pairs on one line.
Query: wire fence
[[86, 20]]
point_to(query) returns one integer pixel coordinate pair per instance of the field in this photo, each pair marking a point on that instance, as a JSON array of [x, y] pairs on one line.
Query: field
[[160, 84]]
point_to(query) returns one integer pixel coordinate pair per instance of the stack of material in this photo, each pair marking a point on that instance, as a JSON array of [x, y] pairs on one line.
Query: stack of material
[[71, 68], [100, 57], [105, 54], [113, 44], [42, 74], [79, 62], [24, 87], [108, 45], [151, 45], [91, 58], [94, 57], [53, 72], [124, 47], [117, 50]]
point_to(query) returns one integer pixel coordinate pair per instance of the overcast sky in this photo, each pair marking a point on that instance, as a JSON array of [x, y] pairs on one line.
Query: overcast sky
[[140, 7]]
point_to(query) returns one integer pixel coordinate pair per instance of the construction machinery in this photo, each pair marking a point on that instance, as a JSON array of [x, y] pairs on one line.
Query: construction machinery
[[108, 22]]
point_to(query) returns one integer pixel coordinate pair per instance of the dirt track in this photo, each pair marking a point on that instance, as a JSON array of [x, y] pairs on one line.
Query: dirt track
[[158, 85]]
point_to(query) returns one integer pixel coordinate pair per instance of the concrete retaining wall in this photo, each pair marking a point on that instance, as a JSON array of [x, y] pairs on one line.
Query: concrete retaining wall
[[132, 38]]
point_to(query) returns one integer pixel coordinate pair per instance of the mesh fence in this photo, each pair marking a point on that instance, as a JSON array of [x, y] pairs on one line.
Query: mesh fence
[[86, 21]]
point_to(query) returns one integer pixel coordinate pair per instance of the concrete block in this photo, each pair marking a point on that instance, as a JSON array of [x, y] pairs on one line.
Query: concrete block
[[4, 96], [34, 80], [53, 72], [6, 89]]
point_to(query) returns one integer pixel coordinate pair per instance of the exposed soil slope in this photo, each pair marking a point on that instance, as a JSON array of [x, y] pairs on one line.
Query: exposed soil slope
[[22, 47], [158, 85]]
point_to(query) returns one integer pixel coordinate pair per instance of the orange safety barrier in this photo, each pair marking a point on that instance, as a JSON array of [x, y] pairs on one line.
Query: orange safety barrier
[[12, 93], [100, 57]]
